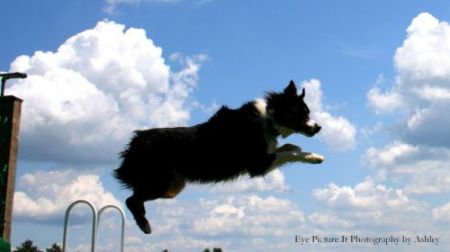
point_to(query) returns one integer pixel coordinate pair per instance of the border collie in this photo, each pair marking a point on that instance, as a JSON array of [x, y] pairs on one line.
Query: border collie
[[158, 162]]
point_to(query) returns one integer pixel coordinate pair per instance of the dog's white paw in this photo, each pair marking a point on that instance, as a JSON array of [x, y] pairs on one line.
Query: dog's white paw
[[314, 158]]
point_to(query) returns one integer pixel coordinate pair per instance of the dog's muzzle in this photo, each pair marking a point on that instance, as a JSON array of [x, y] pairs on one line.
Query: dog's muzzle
[[312, 128], [317, 128]]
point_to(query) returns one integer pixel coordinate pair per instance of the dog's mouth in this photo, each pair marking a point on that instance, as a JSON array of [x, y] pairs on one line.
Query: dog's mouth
[[309, 130], [306, 133]]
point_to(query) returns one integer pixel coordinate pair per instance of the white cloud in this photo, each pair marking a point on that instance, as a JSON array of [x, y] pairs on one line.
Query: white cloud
[[423, 55], [224, 218], [82, 101], [366, 204], [326, 221], [422, 62], [442, 213], [426, 126], [273, 182], [422, 85], [365, 195], [337, 132], [393, 153], [417, 159], [232, 219], [418, 169], [384, 102], [248, 217], [235, 223], [44, 196]]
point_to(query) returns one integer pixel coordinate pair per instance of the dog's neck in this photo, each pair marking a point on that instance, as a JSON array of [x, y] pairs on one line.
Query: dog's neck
[[261, 106]]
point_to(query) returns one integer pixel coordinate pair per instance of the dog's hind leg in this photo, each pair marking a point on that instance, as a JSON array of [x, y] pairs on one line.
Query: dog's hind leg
[[137, 209], [151, 190]]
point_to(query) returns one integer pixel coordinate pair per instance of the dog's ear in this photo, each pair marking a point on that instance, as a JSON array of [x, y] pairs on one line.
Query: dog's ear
[[303, 93], [291, 89]]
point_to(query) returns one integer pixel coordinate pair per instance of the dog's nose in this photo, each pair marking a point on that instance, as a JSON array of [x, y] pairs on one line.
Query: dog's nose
[[317, 128]]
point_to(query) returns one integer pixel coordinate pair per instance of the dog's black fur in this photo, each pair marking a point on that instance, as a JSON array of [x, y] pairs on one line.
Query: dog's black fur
[[158, 162]]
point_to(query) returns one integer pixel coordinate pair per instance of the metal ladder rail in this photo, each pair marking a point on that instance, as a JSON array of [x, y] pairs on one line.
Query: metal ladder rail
[[94, 223], [122, 214]]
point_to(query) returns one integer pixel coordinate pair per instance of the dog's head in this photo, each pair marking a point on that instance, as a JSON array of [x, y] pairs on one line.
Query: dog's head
[[290, 112]]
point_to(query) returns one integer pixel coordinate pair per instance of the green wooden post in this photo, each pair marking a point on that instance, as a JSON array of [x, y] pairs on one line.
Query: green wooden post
[[10, 108], [4, 246]]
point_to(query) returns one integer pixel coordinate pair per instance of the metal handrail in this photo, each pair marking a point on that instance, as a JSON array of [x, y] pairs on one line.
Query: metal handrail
[[94, 223], [122, 214]]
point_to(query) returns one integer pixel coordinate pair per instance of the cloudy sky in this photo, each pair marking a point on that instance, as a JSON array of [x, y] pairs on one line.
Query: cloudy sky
[[377, 78]]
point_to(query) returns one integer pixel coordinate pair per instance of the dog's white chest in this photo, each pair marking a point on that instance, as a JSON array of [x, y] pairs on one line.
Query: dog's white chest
[[271, 141]]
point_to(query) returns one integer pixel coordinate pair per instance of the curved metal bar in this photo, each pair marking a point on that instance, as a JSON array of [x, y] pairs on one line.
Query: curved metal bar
[[94, 223], [122, 214]]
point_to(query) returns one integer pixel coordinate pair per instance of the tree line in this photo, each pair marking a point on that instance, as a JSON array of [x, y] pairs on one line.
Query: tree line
[[28, 246]]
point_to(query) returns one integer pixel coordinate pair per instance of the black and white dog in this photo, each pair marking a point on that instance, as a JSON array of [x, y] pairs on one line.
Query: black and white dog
[[158, 162]]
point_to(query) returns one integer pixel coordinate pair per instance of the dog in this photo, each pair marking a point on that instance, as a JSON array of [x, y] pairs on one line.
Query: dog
[[158, 162]]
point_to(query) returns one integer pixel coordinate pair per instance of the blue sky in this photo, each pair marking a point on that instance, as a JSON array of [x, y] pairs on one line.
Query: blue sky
[[377, 78]]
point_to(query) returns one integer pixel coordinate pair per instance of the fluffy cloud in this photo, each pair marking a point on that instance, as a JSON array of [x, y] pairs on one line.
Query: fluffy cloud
[[44, 196], [422, 86], [366, 204], [384, 102], [337, 132], [327, 221], [426, 126], [442, 213], [235, 223], [391, 154], [83, 100], [423, 53], [273, 182], [365, 195], [417, 158], [250, 216], [419, 169], [422, 65]]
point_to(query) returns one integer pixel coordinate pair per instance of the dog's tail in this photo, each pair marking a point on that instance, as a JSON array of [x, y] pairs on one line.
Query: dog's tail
[[125, 174]]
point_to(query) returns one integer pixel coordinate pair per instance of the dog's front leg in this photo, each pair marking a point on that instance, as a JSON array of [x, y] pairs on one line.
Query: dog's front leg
[[309, 157], [290, 153]]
